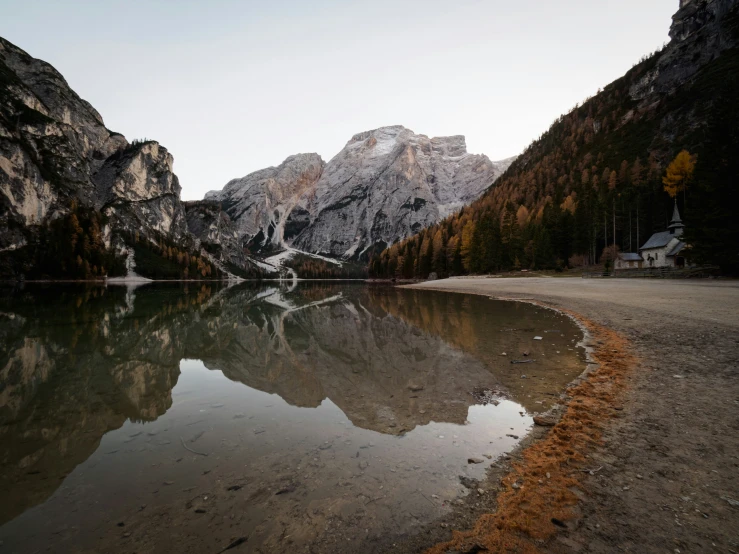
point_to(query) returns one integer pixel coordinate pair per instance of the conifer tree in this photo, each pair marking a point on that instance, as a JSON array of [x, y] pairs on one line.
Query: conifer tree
[[679, 173]]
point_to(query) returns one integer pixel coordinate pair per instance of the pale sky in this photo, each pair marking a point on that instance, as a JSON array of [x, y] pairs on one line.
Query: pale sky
[[232, 86]]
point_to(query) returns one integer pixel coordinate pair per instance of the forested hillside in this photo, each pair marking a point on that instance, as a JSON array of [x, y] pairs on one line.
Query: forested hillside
[[595, 178]]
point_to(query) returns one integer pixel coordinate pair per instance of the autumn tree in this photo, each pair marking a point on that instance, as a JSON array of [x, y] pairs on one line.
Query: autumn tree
[[612, 180], [522, 216], [468, 233], [679, 173], [439, 253]]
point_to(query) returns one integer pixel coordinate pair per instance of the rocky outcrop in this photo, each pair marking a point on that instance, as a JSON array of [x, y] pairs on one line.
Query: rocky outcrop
[[56, 156], [260, 203], [51, 142], [383, 186], [58, 161], [137, 188], [210, 224], [387, 184], [701, 30]]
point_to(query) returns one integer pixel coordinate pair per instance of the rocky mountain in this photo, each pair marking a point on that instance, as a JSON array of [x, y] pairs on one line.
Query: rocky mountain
[[218, 236], [261, 202], [78, 200], [593, 182], [383, 186]]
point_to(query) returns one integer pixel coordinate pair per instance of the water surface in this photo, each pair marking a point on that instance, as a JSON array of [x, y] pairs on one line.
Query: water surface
[[311, 417]]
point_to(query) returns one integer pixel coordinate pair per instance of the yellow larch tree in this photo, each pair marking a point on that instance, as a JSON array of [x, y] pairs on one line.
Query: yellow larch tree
[[679, 173]]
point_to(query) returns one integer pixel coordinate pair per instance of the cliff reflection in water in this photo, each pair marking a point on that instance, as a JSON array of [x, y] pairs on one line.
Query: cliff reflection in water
[[77, 363]]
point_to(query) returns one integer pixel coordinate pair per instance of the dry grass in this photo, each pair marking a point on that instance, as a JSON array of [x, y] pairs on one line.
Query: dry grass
[[543, 486]]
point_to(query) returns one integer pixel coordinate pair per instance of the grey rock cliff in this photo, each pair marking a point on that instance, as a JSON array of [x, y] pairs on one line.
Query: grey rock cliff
[[54, 148], [136, 187], [385, 185], [260, 203], [701, 30], [210, 224], [51, 142], [56, 154]]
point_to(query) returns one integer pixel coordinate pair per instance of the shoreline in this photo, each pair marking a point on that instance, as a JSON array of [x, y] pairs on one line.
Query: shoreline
[[598, 512], [145, 280], [531, 487]]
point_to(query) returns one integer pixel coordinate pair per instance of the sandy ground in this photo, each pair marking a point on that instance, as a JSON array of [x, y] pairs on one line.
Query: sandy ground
[[670, 461]]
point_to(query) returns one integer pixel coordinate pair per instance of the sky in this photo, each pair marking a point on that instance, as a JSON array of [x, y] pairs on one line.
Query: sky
[[233, 86]]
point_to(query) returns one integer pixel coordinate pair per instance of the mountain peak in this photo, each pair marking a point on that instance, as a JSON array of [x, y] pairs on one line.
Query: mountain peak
[[384, 185]]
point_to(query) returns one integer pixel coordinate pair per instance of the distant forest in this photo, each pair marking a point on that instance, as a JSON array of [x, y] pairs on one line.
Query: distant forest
[[72, 247], [597, 178], [309, 267]]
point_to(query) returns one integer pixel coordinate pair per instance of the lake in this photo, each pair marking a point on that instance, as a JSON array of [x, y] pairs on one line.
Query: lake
[[319, 417]]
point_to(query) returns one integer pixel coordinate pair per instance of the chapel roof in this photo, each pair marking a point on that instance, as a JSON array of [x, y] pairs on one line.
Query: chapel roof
[[658, 240], [675, 250]]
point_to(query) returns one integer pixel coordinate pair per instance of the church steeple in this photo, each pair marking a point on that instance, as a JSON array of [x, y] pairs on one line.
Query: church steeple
[[676, 225]]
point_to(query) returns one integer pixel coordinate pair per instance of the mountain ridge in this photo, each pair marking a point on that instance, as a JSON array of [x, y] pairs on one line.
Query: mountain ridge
[[323, 216], [78, 200]]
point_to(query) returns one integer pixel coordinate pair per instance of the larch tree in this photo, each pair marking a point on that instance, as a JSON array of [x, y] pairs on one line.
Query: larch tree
[[468, 233], [612, 180], [679, 173], [522, 216]]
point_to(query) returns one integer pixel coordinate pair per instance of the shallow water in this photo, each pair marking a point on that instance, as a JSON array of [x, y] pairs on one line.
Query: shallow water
[[312, 418]]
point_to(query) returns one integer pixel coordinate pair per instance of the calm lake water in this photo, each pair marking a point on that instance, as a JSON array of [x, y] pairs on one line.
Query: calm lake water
[[323, 417]]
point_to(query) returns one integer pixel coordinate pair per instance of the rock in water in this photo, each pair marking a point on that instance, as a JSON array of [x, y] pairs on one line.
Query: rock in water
[[545, 421]]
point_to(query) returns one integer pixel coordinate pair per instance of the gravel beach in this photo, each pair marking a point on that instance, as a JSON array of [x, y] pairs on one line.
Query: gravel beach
[[669, 477]]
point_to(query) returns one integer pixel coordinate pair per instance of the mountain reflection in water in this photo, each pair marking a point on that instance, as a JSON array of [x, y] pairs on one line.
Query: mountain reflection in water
[[77, 363]]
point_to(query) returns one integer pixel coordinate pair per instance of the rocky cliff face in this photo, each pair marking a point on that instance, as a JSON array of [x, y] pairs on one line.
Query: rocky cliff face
[[51, 143], [384, 185], [55, 152], [260, 203], [58, 161], [210, 224], [701, 30], [387, 184], [137, 187]]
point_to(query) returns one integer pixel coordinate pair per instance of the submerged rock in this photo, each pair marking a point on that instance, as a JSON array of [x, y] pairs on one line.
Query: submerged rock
[[545, 421]]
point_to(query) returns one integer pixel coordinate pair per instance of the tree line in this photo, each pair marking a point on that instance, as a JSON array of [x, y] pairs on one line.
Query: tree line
[[308, 267], [601, 180]]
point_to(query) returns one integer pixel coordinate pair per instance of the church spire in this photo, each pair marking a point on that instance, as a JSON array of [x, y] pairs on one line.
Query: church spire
[[676, 225]]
